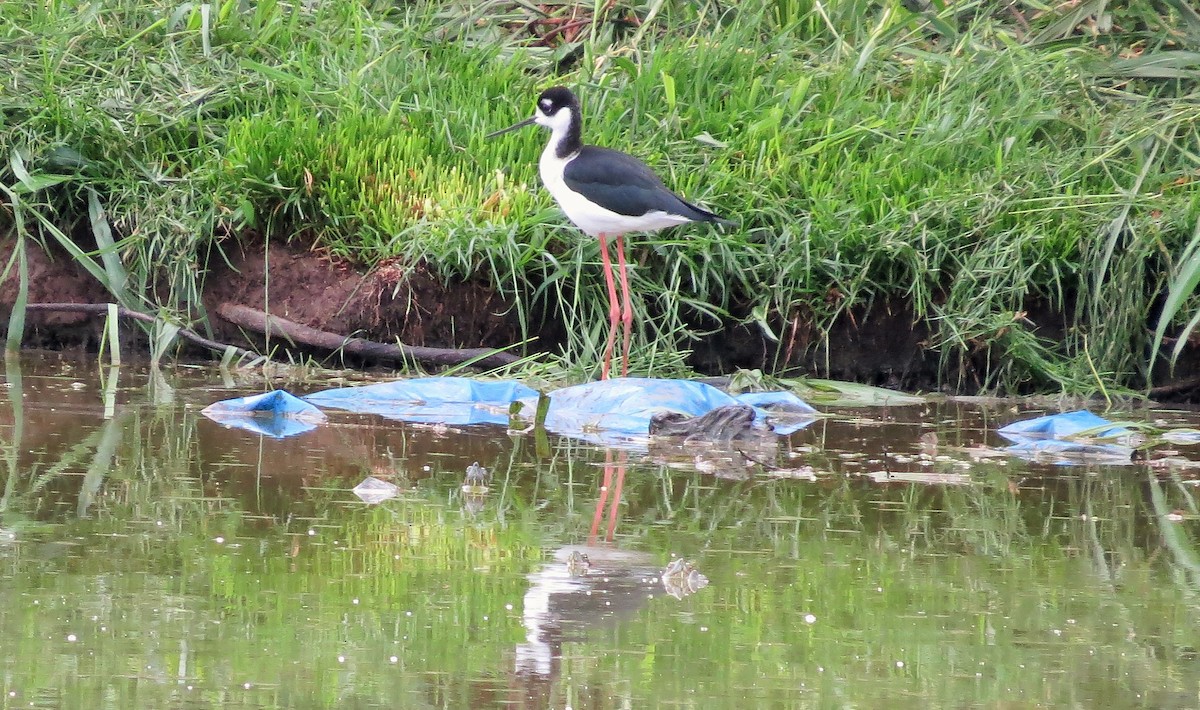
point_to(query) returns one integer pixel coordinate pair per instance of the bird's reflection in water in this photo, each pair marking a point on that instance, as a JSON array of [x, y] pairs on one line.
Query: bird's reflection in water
[[585, 585], [592, 585]]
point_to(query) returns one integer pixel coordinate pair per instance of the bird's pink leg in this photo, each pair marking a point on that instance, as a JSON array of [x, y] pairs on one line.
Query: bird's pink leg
[[626, 307], [614, 309], [622, 457], [605, 487]]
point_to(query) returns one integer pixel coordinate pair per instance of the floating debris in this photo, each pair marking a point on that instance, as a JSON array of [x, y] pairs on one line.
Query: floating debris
[[799, 473], [476, 474], [727, 442], [475, 488], [1070, 438], [681, 578], [925, 477], [1181, 436], [578, 564], [476, 482], [277, 414], [376, 490]]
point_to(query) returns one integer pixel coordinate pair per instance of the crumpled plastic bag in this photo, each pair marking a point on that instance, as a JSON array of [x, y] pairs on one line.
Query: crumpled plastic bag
[[1050, 437], [277, 414]]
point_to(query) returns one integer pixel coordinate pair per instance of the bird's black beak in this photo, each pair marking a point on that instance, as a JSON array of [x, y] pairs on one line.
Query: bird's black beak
[[513, 127]]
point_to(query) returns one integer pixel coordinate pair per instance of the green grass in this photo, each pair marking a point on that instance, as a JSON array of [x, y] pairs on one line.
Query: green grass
[[969, 163]]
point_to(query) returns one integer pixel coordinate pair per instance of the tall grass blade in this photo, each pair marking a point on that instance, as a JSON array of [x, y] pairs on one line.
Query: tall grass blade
[[162, 336], [1163, 64], [206, 29], [97, 470], [1180, 288], [112, 330], [117, 279], [1191, 18], [80, 257], [109, 381], [1117, 227], [28, 183], [161, 391], [868, 49], [1073, 15], [16, 318]]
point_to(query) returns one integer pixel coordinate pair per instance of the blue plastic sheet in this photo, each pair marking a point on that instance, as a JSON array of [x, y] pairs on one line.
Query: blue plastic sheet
[[277, 414], [609, 411], [775, 402], [431, 400], [1050, 437]]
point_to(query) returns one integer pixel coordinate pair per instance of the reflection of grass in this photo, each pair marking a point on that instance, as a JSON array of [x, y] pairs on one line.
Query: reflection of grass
[[984, 595], [14, 442]]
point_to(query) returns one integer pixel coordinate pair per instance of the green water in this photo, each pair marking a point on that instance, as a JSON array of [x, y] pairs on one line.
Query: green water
[[150, 558]]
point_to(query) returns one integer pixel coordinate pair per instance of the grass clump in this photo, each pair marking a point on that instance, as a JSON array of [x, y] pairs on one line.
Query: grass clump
[[974, 163]]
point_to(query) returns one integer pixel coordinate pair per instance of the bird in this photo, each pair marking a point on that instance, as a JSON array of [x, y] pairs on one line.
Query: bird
[[606, 194]]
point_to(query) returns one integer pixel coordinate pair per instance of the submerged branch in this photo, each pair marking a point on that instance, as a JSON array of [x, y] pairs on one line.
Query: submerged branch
[[267, 324], [123, 312]]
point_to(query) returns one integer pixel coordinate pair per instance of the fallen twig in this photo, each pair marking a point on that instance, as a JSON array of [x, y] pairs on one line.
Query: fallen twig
[[267, 324], [102, 309], [1173, 388], [260, 322]]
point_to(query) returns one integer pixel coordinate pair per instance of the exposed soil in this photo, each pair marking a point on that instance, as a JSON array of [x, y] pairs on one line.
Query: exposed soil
[[883, 345], [385, 304]]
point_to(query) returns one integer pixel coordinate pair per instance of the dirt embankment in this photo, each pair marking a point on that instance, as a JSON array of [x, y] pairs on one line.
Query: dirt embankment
[[292, 282], [884, 345]]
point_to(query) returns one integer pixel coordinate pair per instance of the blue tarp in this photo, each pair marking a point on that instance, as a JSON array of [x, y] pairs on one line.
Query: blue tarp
[[277, 414], [431, 400], [1051, 435], [612, 410], [608, 411]]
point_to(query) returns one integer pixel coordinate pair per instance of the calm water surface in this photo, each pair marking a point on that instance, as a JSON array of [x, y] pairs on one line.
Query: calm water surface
[[883, 557]]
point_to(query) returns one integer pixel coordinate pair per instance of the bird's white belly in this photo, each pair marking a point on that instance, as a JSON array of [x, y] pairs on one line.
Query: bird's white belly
[[593, 219]]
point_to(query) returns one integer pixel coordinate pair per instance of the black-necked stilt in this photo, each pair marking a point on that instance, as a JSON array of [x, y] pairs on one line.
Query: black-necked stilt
[[606, 193]]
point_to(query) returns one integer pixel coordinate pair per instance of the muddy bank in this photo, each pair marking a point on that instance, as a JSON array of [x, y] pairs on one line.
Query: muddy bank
[[882, 345], [385, 304]]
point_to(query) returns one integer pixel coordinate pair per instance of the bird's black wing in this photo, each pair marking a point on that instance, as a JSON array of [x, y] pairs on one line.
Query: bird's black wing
[[623, 184]]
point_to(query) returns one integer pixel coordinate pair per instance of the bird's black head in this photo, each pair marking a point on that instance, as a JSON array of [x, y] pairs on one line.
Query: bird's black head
[[558, 110], [556, 99]]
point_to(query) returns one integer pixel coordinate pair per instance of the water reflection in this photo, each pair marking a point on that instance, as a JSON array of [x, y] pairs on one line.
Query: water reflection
[[150, 558], [592, 585], [583, 587]]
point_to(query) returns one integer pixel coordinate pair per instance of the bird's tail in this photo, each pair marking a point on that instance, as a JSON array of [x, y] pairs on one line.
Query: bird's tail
[[704, 215]]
